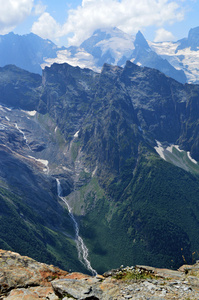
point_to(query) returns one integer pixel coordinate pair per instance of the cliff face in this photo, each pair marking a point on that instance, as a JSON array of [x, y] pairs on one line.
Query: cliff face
[[97, 134], [24, 278], [158, 105]]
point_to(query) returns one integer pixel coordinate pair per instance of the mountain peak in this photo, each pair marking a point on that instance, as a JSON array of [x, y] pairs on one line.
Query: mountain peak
[[192, 41], [193, 38], [140, 41], [25, 51], [104, 34]]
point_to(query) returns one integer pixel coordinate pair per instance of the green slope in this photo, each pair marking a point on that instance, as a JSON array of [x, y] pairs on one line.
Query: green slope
[[24, 231], [154, 221]]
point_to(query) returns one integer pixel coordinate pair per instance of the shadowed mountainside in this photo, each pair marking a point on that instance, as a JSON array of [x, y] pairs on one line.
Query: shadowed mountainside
[[96, 132]]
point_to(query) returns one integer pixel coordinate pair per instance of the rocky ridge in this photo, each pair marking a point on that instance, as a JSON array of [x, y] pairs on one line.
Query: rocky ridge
[[23, 278], [96, 133]]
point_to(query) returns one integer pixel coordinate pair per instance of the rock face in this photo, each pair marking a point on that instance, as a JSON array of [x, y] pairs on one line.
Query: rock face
[[19, 88], [96, 133], [144, 56], [156, 104], [25, 51], [24, 278]]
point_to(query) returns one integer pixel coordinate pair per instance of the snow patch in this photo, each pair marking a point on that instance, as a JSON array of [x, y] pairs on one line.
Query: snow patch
[[4, 108], [189, 156], [184, 59], [43, 162], [7, 108], [82, 59], [160, 150], [177, 147], [31, 113], [170, 148], [94, 172], [76, 134]]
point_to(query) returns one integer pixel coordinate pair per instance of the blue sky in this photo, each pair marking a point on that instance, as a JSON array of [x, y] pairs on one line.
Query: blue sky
[[68, 22]]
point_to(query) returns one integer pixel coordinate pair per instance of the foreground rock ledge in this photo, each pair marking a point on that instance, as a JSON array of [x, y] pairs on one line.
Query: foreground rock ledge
[[26, 279]]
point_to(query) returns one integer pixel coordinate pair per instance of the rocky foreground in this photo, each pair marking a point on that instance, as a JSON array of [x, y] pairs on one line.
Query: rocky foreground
[[26, 279]]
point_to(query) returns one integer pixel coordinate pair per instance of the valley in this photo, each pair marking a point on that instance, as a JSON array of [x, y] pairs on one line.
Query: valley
[[127, 200]]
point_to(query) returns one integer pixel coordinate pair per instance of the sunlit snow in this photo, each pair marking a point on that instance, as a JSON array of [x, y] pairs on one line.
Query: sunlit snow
[[76, 134], [160, 150], [189, 156], [163, 152], [31, 113], [43, 162], [185, 59], [81, 59]]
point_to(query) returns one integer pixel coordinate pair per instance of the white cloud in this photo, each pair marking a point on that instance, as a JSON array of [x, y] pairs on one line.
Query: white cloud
[[39, 8], [163, 35], [13, 12], [46, 27], [128, 15]]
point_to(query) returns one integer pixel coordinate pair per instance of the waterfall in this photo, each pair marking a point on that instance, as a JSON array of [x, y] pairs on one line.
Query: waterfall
[[81, 247]]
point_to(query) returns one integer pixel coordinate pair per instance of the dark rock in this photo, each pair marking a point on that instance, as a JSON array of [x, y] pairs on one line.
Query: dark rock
[[19, 88], [37, 147]]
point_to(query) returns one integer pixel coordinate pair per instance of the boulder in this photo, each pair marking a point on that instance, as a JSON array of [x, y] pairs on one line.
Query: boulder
[[18, 271]]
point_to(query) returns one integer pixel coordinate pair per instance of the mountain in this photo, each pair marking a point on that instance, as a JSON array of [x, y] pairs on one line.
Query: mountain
[[144, 56], [192, 41], [182, 55], [103, 161], [25, 51], [111, 46], [178, 60], [115, 47]]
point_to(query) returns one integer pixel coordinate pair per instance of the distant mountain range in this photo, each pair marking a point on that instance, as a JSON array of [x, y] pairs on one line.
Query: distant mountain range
[[178, 60], [26, 51]]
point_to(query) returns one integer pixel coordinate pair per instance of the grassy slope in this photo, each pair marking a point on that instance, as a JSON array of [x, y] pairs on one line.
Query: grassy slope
[[154, 221], [24, 231]]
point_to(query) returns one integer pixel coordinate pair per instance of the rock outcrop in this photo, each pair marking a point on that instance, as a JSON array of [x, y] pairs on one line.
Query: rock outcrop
[[26, 279]]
